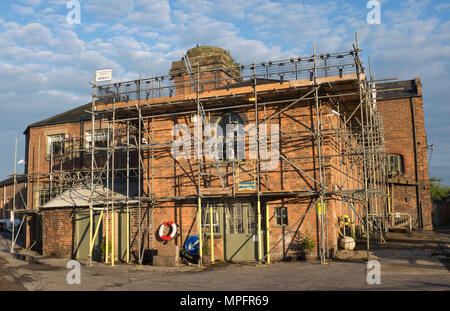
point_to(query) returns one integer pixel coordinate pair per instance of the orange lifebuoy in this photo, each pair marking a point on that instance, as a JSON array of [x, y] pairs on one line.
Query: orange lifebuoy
[[173, 231]]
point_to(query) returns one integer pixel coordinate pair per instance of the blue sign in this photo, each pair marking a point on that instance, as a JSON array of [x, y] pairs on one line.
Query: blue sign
[[247, 185], [192, 245]]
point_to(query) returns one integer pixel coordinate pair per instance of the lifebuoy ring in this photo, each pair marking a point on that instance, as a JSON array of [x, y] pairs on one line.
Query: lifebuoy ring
[[173, 231]]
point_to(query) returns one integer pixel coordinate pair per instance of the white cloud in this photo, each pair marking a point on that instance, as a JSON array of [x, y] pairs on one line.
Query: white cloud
[[154, 13], [109, 8], [32, 2], [22, 10]]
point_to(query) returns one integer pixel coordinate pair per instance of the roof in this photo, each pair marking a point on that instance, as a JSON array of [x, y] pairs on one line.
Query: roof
[[10, 181], [397, 90], [74, 115], [80, 194]]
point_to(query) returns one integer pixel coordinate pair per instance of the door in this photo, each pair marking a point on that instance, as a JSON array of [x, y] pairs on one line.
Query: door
[[241, 231], [82, 220]]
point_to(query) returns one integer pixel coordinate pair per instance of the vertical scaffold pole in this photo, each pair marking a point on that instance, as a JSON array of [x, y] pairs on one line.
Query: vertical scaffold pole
[[267, 233], [258, 169], [92, 163], [211, 231], [90, 233], [128, 191], [13, 216], [321, 208], [200, 235], [113, 238], [107, 238], [139, 171]]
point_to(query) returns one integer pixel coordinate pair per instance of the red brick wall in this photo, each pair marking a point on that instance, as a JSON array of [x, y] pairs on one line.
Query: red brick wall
[[58, 232], [7, 198], [399, 139]]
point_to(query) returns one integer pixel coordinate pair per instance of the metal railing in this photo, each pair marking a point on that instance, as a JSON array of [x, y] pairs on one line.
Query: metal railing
[[400, 221], [298, 68]]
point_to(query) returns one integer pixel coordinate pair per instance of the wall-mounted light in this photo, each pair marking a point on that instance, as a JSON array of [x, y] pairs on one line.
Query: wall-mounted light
[[252, 99], [335, 113]]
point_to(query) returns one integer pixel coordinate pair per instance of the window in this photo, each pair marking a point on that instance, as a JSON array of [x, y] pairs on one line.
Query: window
[[55, 144], [281, 218], [46, 195], [207, 219], [232, 123], [394, 165], [101, 138]]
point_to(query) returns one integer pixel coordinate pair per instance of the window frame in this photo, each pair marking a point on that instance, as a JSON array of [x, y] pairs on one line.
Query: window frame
[[280, 216], [56, 138], [217, 219], [102, 133], [222, 123], [394, 161]]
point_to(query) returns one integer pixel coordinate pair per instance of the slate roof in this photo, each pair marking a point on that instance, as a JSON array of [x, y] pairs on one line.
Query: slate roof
[[405, 89], [74, 115], [10, 181]]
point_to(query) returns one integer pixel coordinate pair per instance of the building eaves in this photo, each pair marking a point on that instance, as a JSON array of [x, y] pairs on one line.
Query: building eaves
[[10, 181], [396, 90]]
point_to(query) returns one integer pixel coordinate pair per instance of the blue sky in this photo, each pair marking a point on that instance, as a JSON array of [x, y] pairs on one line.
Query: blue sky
[[46, 63]]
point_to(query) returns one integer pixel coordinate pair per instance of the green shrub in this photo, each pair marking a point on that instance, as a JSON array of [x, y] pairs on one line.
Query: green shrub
[[307, 243], [103, 247]]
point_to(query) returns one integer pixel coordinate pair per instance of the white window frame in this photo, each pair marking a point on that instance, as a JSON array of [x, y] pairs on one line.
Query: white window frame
[[101, 135], [55, 138]]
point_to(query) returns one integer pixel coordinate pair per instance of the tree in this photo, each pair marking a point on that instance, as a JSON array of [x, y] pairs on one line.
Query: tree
[[437, 190]]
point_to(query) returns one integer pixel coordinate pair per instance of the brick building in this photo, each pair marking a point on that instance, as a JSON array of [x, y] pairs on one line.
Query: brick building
[[149, 159], [7, 194], [401, 105]]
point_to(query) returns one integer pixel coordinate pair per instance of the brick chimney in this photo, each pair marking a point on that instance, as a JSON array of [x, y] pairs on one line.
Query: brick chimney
[[214, 60]]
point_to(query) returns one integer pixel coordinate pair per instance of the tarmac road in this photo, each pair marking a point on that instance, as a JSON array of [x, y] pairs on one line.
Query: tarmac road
[[414, 261]]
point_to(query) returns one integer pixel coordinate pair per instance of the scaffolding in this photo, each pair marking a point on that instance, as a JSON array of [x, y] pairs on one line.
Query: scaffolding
[[346, 135]]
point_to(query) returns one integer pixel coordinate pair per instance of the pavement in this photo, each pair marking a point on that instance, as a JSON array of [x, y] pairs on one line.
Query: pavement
[[409, 261]]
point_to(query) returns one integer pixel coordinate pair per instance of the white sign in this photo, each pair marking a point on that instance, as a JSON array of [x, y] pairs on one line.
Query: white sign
[[103, 75]]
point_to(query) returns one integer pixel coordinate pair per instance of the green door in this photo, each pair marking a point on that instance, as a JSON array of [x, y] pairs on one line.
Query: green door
[[241, 231], [123, 237], [82, 219]]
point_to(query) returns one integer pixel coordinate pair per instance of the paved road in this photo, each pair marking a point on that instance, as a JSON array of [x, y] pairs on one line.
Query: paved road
[[423, 265]]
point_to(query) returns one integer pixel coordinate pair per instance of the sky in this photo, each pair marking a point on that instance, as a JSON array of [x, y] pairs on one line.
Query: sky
[[46, 62]]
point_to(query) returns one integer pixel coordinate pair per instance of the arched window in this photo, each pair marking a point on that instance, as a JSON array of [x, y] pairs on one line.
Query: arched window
[[232, 124], [395, 165]]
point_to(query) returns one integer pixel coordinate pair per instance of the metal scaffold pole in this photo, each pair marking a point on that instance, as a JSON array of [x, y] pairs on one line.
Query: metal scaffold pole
[[13, 216], [93, 110], [318, 135], [258, 169]]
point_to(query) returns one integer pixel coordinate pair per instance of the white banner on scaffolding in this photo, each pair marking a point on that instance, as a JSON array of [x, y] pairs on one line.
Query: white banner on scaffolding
[[103, 75]]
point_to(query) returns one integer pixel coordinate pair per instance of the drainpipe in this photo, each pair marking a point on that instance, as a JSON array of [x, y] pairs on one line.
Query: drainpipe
[[4, 202], [416, 171]]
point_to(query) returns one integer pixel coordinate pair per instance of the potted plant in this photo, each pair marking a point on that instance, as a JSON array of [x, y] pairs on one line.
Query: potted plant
[[308, 245], [103, 249]]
